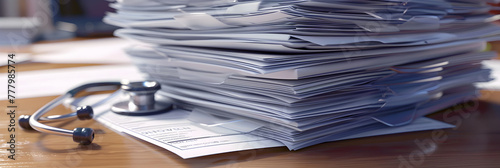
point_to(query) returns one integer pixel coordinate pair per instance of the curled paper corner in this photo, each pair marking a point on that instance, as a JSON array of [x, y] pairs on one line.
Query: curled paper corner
[[377, 27], [421, 23], [244, 8], [416, 71], [396, 119], [202, 76], [200, 21], [211, 121]]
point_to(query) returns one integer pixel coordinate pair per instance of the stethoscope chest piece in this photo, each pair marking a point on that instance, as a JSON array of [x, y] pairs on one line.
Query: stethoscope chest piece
[[142, 99]]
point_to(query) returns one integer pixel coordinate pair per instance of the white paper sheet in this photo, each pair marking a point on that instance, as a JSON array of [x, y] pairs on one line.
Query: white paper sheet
[[495, 74], [98, 51], [174, 132], [19, 58]]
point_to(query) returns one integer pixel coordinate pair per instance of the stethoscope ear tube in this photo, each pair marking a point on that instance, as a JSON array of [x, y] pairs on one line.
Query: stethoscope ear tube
[[78, 89], [76, 134], [142, 102], [82, 113]]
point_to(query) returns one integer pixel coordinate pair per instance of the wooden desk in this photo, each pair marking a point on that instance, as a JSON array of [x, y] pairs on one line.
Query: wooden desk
[[474, 143]]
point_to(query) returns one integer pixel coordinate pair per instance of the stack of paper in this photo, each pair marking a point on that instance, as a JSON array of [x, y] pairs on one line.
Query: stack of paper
[[305, 72]]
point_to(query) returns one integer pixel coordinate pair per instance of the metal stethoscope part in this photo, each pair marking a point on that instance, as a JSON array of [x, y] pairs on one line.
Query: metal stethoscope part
[[142, 99], [142, 102]]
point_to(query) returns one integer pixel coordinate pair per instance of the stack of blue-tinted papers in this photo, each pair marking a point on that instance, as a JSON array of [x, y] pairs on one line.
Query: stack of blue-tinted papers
[[311, 71]]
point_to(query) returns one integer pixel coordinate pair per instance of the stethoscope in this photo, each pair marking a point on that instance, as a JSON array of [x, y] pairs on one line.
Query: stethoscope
[[141, 102]]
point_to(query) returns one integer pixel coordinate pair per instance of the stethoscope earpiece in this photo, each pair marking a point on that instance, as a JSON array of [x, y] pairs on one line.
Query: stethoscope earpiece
[[24, 122], [85, 112], [83, 136]]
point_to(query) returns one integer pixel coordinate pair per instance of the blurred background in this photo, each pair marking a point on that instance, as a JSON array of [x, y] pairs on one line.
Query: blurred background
[[27, 21]]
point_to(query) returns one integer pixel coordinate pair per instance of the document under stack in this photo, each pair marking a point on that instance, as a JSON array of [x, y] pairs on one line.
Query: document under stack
[[305, 72]]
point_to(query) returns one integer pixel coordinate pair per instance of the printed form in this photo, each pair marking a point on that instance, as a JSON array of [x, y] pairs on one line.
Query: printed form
[[174, 132]]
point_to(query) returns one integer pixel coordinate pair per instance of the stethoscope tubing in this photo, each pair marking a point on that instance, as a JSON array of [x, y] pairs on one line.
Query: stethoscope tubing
[[46, 108], [81, 135], [141, 103]]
